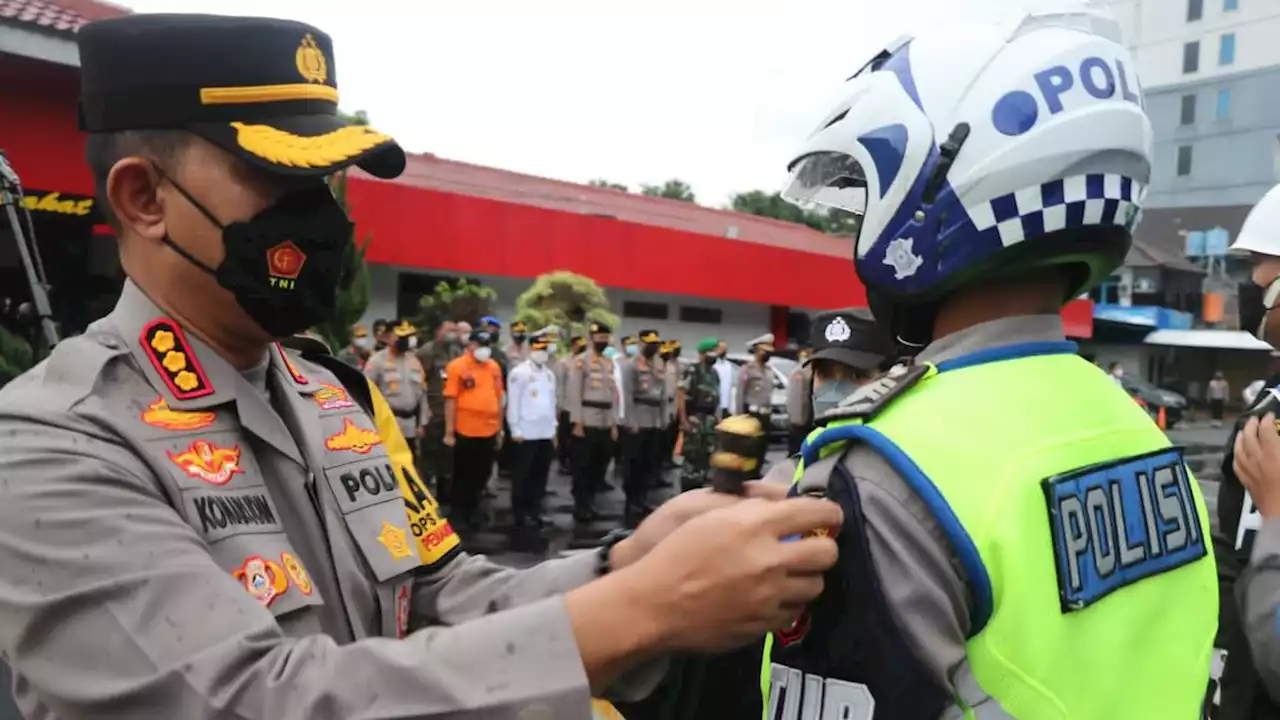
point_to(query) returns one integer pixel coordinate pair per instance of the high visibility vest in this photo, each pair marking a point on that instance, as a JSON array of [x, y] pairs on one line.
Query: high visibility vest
[[1080, 532]]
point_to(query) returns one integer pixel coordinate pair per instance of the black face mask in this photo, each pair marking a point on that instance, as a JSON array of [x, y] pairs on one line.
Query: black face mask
[[709, 360], [650, 350], [517, 339], [1252, 311], [402, 344], [599, 346], [285, 265]]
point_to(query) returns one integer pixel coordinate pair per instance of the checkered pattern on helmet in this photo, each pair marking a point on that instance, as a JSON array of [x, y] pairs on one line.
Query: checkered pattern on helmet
[[1094, 199]]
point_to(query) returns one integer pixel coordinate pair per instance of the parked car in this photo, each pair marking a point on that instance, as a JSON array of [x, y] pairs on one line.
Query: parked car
[[1154, 398], [782, 369]]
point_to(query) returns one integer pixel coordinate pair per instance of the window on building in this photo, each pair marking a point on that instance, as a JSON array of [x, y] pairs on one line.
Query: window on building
[[1188, 115], [1227, 49], [645, 310], [1223, 109], [1195, 10], [1184, 160], [1191, 57], [1229, 5], [704, 315]]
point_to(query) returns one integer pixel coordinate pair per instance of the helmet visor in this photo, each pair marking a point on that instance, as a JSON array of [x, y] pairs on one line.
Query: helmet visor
[[828, 180]]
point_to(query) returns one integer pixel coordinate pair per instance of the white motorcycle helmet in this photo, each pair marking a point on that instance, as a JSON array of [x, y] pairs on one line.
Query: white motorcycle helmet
[[982, 151], [1260, 235]]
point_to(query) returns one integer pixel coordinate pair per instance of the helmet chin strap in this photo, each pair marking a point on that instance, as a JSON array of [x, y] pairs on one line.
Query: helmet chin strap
[[911, 326]]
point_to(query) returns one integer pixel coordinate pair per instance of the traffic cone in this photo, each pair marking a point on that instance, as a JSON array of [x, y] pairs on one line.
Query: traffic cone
[[1160, 421]]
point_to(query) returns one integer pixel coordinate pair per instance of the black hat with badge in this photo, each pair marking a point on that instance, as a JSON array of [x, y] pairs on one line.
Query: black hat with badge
[[851, 337], [264, 90]]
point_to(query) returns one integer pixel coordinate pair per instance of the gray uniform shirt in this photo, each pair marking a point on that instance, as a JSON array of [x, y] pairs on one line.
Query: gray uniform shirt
[[672, 370], [591, 394], [800, 397], [917, 568], [1258, 592], [644, 389], [177, 543], [403, 382], [755, 389]]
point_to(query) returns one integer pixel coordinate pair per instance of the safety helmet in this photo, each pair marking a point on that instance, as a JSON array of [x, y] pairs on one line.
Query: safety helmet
[[975, 152], [1261, 231]]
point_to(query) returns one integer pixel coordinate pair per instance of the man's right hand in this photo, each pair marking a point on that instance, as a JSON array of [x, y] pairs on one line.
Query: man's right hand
[[578, 431], [726, 578], [517, 438], [450, 439]]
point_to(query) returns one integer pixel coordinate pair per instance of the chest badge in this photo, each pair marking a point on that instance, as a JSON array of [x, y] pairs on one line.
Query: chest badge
[[395, 540], [353, 438], [159, 415], [332, 397], [209, 462], [263, 579], [296, 572]]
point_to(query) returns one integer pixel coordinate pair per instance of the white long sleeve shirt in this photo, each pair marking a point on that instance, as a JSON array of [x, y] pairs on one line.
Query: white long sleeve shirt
[[620, 402], [531, 404], [724, 369]]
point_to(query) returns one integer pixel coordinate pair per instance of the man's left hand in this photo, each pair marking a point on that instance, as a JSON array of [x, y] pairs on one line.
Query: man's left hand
[[680, 509]]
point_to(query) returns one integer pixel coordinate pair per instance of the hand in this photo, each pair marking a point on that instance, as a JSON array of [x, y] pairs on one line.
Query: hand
[[613, 433], [725, 578], [420, 431], [450, 439], [497, 441], [1257, 463], [578, 431], [517, 438], [670, 515]]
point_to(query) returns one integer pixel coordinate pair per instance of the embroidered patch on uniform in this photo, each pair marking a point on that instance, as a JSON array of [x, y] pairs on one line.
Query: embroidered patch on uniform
[[284, 264], [206, 461], [867, 401], [1118, 523], [353, 438], [395, 540], [288, 365], [264, 579], [332, 397], [296, 572], [159, 415], [402, 611], [170, 354]]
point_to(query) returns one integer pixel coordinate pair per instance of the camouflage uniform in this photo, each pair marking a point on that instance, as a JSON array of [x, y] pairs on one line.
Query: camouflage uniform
[[701, 387], [436, 459]]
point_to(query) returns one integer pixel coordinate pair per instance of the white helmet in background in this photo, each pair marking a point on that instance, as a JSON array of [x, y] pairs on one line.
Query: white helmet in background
[[977, 152], [1260, 235]]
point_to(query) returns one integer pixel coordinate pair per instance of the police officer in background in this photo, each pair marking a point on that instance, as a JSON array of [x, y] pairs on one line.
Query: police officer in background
[[531, 417], [755, 382], [697, 403], [380, 333], [799, 403], [564, 428], [357, 352], [518, 350], [435, 458], [589, 399], [645, 424], [399, 376], [672, 373], [950, 564], [196, 523]]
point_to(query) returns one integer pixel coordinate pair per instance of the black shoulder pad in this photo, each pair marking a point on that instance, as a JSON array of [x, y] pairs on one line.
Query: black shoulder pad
[[867, 401], [353, 380]]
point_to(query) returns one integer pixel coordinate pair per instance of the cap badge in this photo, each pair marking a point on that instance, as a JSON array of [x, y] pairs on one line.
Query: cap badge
[[311, 63], [837, 331], [902, 257]]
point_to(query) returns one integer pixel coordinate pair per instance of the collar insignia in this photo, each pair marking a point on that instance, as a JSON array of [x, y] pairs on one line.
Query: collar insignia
[[170, 354]]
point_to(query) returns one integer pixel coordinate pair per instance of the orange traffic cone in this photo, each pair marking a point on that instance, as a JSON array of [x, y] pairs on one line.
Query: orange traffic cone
[[1160, 421]]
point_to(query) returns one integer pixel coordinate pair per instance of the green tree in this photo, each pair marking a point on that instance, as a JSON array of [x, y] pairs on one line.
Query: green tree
[[459, 299], [353, 288], [608, 184], [772, 205], [564, 299], [673, 189], [16, 356], [359, 117]]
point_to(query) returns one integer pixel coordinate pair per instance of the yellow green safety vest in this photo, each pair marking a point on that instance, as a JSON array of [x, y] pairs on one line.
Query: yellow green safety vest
[[1082, 535]]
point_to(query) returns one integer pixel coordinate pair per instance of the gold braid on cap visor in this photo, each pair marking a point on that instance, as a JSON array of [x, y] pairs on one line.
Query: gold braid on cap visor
[[318, 151]]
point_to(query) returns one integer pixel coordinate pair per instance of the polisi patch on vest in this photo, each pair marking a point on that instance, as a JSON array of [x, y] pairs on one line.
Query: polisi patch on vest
[[1117, 523], [867, 401], [361, 484], [1093, 80]]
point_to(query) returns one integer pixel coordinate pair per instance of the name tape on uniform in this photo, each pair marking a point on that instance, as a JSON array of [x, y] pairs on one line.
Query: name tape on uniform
[[1118, 523]]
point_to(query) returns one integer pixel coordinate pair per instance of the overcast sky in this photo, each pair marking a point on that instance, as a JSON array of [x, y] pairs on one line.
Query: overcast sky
[[715, 92]]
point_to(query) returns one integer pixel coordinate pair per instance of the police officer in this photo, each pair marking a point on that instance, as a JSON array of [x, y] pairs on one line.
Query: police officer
[[968, 249], [188, 509], [531, 415], [754, 394], [799, 403], [357, 352], [518, 350], [589, 400], [435, 458], [697, 402], [674, 371], [564, 428], [380, 333], [400, 378], [645, 423], [1245, 546]]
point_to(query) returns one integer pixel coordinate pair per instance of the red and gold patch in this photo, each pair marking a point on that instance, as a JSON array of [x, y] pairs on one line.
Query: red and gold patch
[[332, 397], [288, 365], [171, 356], [284, 264], [159, 415], [353, 438], [208, 462], [296, 573], [798, 630], [263, 579]]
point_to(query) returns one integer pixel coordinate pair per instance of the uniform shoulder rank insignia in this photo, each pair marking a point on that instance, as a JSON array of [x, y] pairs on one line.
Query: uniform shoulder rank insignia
[[288, 364], [170, 353], [867, 401]]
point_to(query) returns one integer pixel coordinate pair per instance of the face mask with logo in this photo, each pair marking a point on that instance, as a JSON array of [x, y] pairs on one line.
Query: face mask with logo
[[539, 357], [482, 354], [631, 350], [285, 264], [829, 394]]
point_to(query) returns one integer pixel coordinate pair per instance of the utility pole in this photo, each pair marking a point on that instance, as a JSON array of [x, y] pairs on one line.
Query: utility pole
[[28, 251]]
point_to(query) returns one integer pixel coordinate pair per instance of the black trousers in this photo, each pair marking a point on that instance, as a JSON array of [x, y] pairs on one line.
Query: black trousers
[[472, 466], [531, 460], [796, 437], [590, 461], [643, 452], [564, 434], [1216, 407]]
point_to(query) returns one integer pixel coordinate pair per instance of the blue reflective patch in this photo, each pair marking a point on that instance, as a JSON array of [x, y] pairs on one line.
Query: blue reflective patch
[[1117, 523]]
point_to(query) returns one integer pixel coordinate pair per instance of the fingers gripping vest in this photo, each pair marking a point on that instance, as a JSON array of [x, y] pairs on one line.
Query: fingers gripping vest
[[1078, 529]]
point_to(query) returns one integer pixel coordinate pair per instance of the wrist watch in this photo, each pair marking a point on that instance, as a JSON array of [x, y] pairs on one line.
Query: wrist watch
[[603, 565]]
